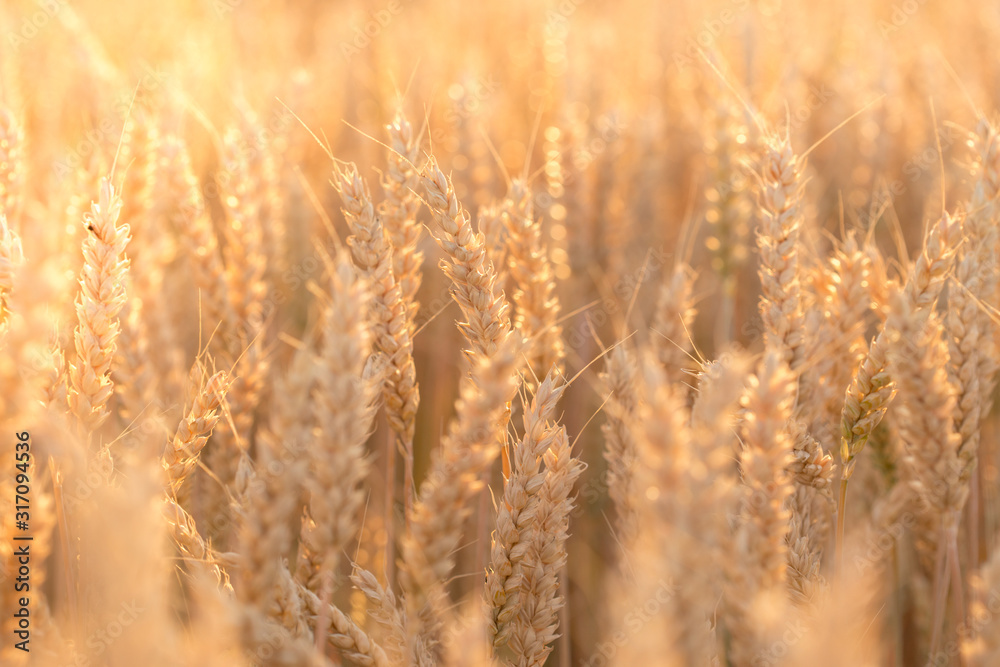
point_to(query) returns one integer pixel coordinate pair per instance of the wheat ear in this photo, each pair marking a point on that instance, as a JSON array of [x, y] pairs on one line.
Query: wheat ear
[[473, 275], [972, 349], [535, 302], [684, 467], [182, 452], [517, 510], [812, 471], [392, 329], [384, 610], [468, 450], [197, 233], [11, 164], [837, 344], [759, 575], [266, 187], [872, 388], [675, 313], [781, 310], [343, 410], [102, 295], [767, 454], [11, 257], [918, 357], [536, 622], [727, 212], [620, 379], [400, 183], [245, 268], [344, 633], [245, 253]]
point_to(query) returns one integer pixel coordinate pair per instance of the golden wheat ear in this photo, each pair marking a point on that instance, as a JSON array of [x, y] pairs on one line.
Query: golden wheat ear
[[517, 511], [782, 185], [97, 308], [536, 304], [473, 276], [12, 166], [343, 407], [11, 257], [392, 327]]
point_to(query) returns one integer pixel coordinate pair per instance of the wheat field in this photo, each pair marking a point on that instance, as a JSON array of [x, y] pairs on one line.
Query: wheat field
[[567, 333]]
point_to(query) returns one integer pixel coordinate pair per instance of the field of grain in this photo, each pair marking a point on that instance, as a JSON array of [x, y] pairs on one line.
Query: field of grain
[[566, 333]]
